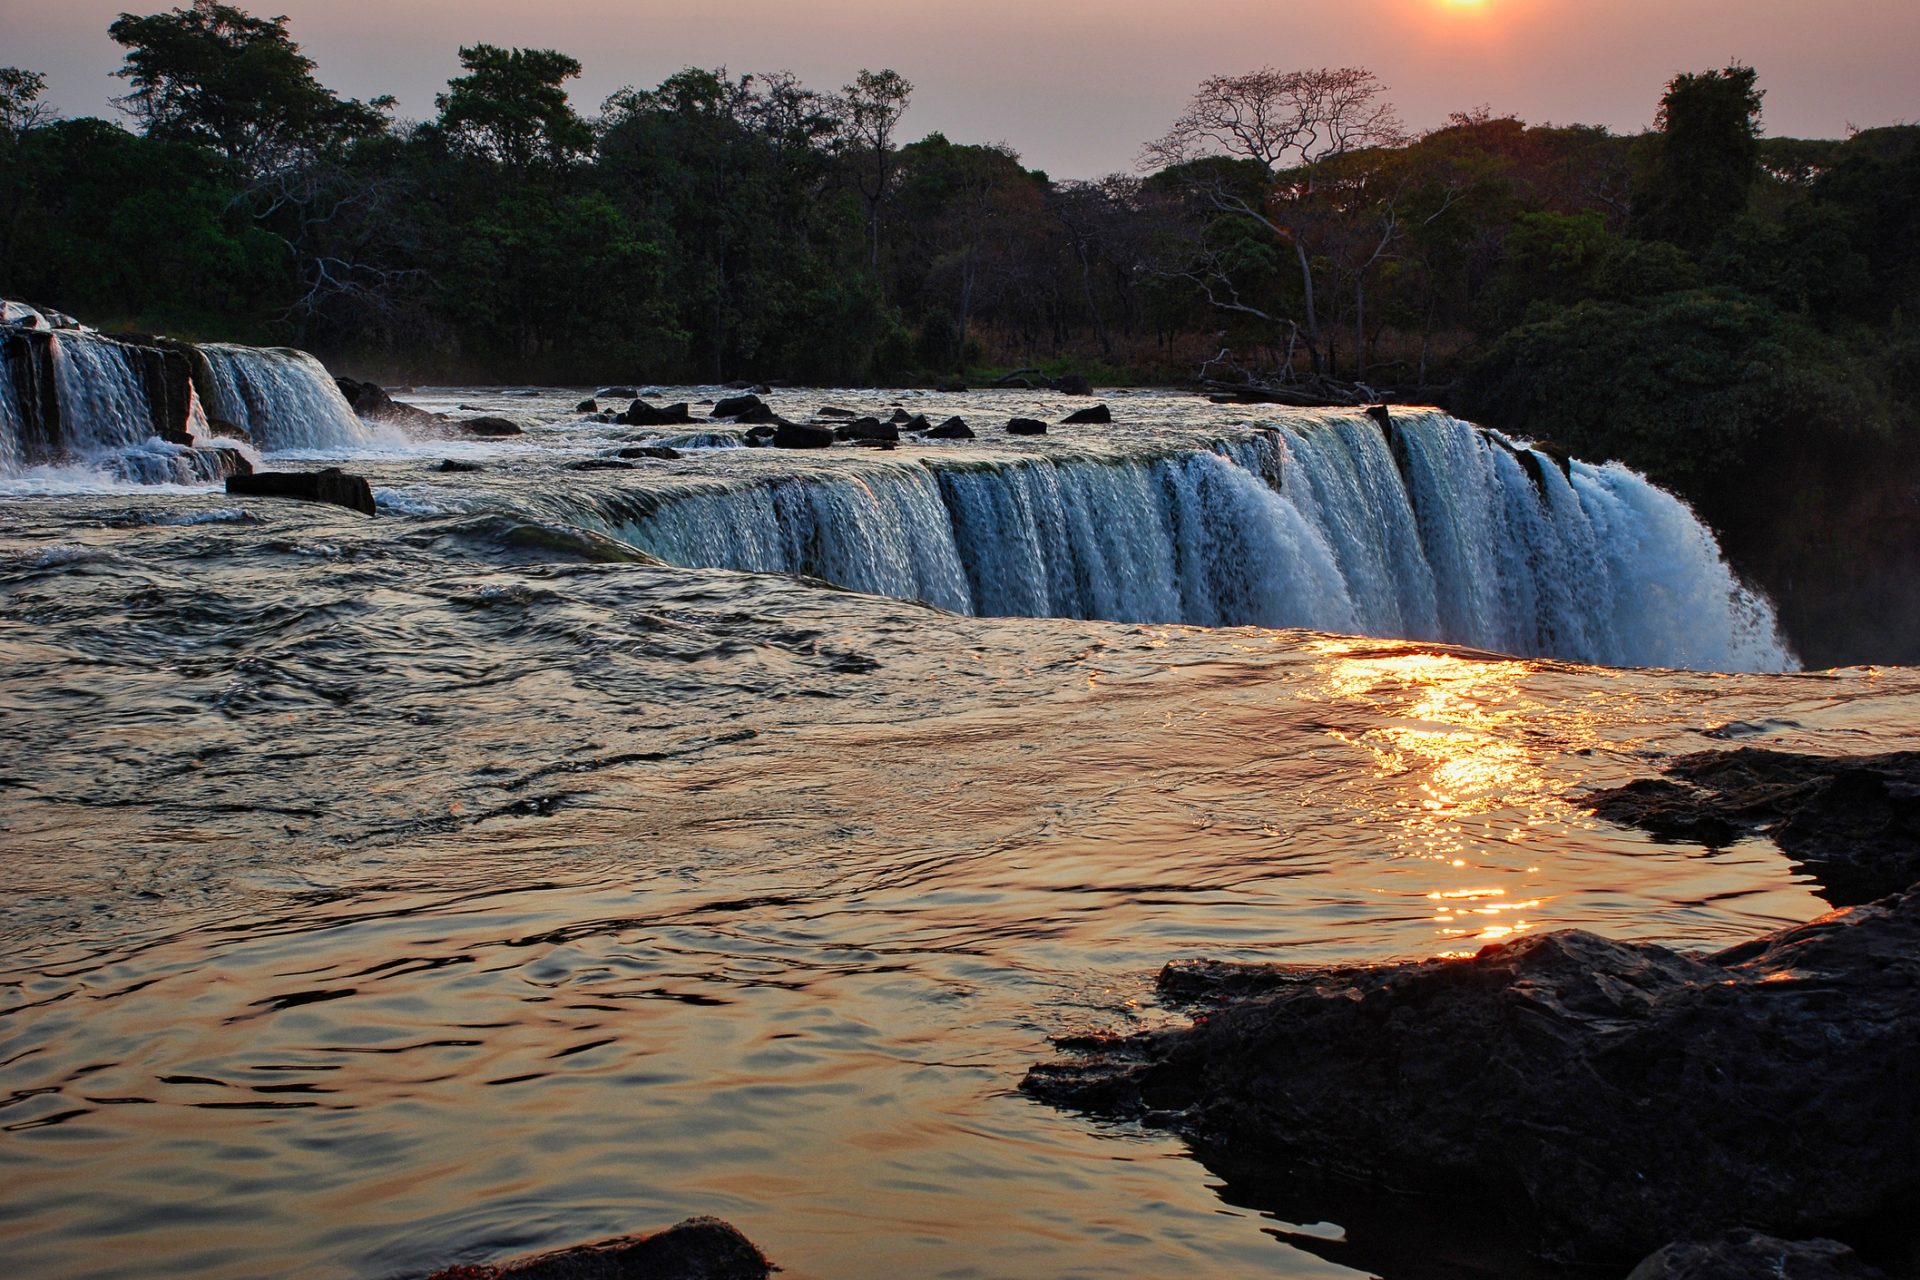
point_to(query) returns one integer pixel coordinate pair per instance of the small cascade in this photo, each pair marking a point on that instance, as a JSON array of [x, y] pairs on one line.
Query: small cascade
[[1431, 529], [281, 398]]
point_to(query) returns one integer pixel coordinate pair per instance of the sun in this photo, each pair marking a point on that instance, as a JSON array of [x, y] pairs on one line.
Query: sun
[[1463, 4]]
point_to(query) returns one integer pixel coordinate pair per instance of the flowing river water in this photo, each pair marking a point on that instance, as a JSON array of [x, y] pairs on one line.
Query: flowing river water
[[388, 893]]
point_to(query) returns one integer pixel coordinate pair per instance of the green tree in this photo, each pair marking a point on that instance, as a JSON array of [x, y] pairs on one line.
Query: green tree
[[872, 107], [511, 107], [215, 76], [1698, 170]]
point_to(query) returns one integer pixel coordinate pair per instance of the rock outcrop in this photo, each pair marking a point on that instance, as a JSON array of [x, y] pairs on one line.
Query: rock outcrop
[[1748, 1255], [1617, 1096], [1853, 821]]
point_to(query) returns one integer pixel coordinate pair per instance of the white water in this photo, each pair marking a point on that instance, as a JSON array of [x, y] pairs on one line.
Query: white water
[[1310, 525], [284, 399]]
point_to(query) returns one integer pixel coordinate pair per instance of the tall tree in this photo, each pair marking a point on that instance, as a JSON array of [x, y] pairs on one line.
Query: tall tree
[[512, 107], [872, 107], [1698, 170], [214, 75]]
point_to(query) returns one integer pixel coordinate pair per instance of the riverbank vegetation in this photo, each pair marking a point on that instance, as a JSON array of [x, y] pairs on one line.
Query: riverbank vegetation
[[1731, 313]]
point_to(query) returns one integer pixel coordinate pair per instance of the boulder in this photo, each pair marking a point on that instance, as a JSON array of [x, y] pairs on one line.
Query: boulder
[[900, 417], [488, 425], [697, 1249], [663, 451], [1853, 821], [642, 414], [801, 435], [1026, 427], [747, 408], [918, 422], [370, 400], [454, 464], [1614, 1096], [616, 393], [829, 411], [587, 406], [954, 428], [866, 429], [1099, 413], [1073, 384], [228, 430], [329, 485], [1749, 1255]]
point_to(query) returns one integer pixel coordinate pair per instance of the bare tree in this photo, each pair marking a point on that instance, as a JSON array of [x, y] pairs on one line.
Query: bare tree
[[870, 110], [1292, 124]]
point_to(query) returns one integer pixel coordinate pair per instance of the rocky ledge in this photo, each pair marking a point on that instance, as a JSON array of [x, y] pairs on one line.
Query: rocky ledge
[[1853, 821], [1607, 1098], [697, 1249]]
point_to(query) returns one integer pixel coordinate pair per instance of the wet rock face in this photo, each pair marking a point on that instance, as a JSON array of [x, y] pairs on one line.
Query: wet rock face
[[1854, 822], [697, 1249], [1620, 1095], [1748, 1255], [331, 485]]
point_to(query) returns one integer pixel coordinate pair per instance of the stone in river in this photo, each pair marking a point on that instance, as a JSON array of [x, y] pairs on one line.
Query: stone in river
[[329, 485], [1026, 427], [697, 1249], [1099, 413]]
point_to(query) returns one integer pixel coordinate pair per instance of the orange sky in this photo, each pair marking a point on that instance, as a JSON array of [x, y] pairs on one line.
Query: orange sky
[[1077, 85]]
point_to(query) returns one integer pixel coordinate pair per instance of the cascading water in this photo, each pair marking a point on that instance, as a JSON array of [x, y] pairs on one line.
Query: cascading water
[[1442, 533], [283, 399]]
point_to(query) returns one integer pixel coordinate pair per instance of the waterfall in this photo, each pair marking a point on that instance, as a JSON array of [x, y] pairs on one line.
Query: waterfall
[[102, 395], [282, 399], [1433, 530]]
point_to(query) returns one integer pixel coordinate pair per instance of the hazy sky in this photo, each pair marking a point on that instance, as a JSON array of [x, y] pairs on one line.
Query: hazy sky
[[1077, 85]]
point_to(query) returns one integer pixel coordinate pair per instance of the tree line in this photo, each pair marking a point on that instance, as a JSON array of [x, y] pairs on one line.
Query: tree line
[[1731, 313]]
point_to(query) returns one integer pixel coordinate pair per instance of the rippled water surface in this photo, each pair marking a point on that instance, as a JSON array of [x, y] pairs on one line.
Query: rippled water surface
[[391, 892]]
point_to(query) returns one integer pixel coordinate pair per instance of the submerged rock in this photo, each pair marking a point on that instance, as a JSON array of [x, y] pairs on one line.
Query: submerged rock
[[453, 464], [830, 411], [489, 426], [801, 435], [642, 414], [663, 451], [1026, 427], [1619, 1095], [1853, 821], [331, 485], [616, 393], [697, 1249], [600, 464], [1748, 1255], [747, 408], [867, 429], [1099, 413]]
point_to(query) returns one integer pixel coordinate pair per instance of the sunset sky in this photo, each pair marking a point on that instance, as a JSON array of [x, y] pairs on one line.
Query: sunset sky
[[1077, 85]]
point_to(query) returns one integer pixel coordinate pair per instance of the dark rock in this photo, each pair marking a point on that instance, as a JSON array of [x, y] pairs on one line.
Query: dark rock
[[330, 485], [951, 387], [1748, 1255], [453, 464], [489, 426], [1099, 413], [642, 414], [1382, 415], [616, 393], [697, 1249], [887, 445], [370, 400], [599, 464], [226, 462], [667, 452], [761, 431], [828, 411], [918, 422], [1073, 384], [761, 389], [1026, 427], [748, 408], [801, 435], [1623, 1095], [587, 406], [740, 384], [866, 429], [230, 430], [954, 428], [900, 417], [1853, 821]]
